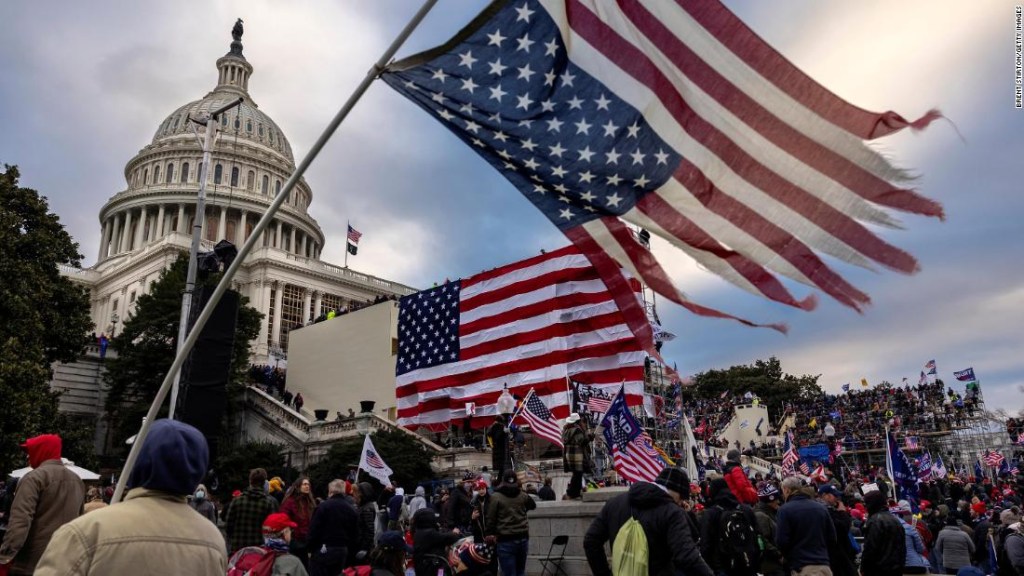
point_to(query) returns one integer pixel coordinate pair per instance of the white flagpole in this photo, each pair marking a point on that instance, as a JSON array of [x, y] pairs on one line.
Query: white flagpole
[[348, 226], [521, 407], [257, 231], [568, 394], [691, 443]]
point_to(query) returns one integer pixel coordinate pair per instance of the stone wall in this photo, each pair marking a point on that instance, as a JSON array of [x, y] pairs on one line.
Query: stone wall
[[571, 517]]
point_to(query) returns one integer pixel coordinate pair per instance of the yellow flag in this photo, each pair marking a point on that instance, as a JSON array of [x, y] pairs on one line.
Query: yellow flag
[[864, 382], [813, 423]]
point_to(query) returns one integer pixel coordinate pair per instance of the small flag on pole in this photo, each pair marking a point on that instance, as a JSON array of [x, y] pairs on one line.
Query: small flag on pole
[[539, 418], [864, 382], [846, 387], [373, 464], [353, 240], [930, 368]]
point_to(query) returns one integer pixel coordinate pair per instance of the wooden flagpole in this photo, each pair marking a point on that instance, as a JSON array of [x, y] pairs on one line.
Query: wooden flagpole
[[257, 231]]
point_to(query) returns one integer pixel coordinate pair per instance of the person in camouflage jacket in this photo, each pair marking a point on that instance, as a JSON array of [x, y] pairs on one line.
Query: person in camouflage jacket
[[576, 453]]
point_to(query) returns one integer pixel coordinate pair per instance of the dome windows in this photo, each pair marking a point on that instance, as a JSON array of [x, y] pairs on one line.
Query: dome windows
[[261, 130], [170, 173], [250, 180], [156, 174], [248, 126], [218, 173], [184, 172], [145, 177], [234, 177], [265, 187], [224, 120]]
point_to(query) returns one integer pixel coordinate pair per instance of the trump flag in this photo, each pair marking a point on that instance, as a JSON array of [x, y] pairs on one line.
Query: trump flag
[[677, 118]]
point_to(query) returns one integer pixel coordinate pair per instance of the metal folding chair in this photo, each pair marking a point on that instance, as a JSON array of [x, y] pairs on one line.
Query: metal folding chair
[[553, 562]]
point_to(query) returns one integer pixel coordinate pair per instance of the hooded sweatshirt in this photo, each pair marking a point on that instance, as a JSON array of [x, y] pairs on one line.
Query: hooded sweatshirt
[[153, 526], [47, 497], [506, 513], [418, 502], [173, 459]]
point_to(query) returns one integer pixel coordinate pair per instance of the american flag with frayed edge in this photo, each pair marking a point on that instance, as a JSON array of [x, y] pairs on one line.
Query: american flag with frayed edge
[[677, 118]]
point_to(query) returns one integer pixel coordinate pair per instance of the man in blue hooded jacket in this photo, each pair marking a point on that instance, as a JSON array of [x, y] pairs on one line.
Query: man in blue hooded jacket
[[154, 528]]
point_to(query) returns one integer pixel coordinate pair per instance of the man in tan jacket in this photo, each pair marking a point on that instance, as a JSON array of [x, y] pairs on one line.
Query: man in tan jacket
[[154, 530], [47, 498]]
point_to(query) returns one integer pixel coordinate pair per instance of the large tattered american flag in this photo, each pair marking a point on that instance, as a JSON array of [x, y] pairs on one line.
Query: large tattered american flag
[[528, 325], [676, 117]]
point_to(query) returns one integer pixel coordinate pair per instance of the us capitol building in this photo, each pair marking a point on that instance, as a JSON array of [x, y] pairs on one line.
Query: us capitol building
[[146, 226]]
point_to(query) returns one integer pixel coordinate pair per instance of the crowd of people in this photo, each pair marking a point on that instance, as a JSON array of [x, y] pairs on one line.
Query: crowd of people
[[729, 522], [856, 418], [332, 313], [274, 381]]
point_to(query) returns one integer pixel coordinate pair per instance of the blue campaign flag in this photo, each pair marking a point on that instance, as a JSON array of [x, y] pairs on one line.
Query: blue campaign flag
[[1004, 466], [965, 375], [978, 474], [903, 472]]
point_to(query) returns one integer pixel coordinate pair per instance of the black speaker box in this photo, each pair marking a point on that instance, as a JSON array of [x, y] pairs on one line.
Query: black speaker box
[[202, 396]]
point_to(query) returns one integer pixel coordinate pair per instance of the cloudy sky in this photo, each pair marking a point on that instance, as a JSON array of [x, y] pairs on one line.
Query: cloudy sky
[[86, 84]]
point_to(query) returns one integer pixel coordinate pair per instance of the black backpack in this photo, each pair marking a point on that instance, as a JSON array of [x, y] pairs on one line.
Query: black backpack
[[739, 550], [1003, 566]]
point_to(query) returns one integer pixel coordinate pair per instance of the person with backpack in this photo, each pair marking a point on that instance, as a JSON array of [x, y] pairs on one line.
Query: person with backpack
[[803, 530], [1011, 551], [272, 558], [766, 512], [728, 533], [648, 516]]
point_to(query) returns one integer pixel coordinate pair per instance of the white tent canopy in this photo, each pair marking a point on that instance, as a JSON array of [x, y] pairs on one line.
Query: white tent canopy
[[81, 472]]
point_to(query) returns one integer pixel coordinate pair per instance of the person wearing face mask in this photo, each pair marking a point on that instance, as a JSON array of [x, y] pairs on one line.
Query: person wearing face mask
[[200, 503]]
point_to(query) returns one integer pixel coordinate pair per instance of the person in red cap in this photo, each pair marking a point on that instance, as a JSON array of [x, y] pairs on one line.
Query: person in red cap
[[48, 497], [273, 556]]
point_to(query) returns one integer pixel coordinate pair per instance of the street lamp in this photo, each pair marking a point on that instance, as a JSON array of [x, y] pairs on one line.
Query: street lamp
[[113, 323], [365, 414], [506, 403]]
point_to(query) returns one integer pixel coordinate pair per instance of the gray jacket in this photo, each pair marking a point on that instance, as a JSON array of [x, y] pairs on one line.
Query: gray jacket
[[954, 547], [1015, 551]]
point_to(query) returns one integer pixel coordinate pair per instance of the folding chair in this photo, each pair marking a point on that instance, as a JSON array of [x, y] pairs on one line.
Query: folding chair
[[553, 563]]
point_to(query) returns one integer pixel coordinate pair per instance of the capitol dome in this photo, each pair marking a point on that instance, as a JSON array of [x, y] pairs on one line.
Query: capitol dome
[[245, 121]]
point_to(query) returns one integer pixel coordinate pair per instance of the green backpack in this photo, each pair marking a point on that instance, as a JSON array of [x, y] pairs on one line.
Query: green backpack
[[629, 551]]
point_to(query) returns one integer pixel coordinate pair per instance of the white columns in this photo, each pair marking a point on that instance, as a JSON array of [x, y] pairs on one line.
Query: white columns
[[104, 240], [278, 297], [140, 234], [159, 223], [115, 240], [291, 242], [318, 303], [263, 304], [306, 296], [181, 219], [240, 232], [126, 240], [277, 239], [302, 247], [222, 224]]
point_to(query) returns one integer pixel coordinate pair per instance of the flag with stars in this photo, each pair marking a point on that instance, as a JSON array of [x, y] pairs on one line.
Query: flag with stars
[[373, 464], [529, 324], [633, 456], [677, 118]]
